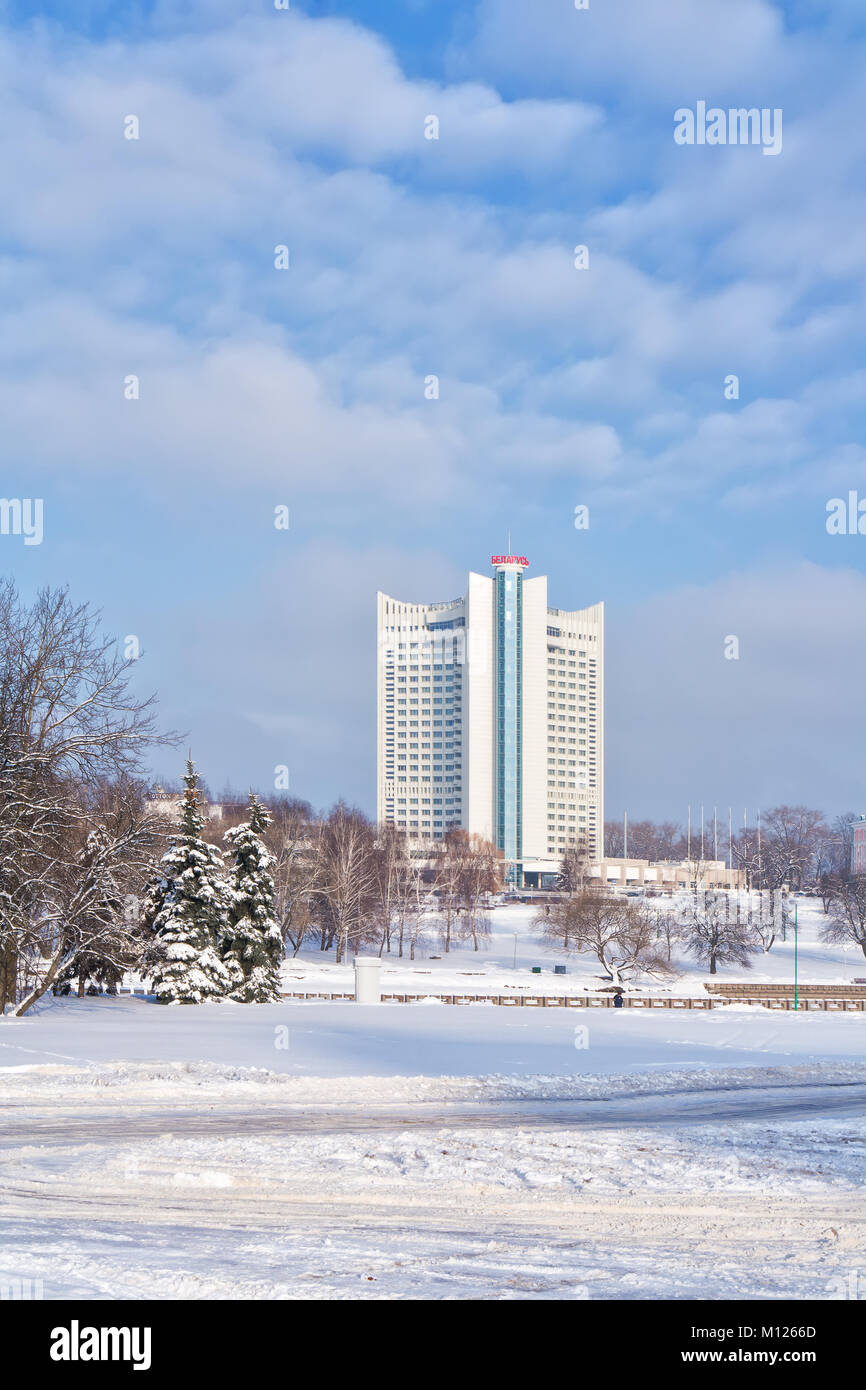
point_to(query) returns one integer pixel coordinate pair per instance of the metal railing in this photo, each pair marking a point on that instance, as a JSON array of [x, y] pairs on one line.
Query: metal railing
[[602, 1001]]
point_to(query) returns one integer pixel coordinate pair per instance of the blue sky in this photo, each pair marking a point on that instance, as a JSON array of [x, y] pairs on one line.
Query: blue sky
[[411, 257]]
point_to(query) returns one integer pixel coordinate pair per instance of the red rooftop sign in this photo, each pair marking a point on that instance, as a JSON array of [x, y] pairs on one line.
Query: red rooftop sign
[[508, 560]]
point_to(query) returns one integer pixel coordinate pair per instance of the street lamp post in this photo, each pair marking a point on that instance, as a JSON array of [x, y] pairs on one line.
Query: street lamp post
[[795, 956], [515, 950]]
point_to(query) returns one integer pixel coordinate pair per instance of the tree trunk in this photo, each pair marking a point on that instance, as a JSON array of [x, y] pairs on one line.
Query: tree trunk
[[10, 975], [40, 989]]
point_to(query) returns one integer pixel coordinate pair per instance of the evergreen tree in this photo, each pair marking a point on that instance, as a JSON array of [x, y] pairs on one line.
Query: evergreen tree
[[253, 945], [187, 910]]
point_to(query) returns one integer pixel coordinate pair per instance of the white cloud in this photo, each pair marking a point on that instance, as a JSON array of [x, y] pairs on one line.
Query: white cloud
[[657, 48], [318, 373]]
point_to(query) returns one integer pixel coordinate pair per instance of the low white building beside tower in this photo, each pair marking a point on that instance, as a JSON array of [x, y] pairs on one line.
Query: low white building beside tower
[[491, 718]]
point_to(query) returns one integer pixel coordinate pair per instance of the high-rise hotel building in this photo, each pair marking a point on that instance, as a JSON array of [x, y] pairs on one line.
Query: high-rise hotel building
[[491, 717]]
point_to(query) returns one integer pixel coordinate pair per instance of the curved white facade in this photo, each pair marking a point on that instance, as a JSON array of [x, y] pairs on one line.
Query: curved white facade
[[491, 717]]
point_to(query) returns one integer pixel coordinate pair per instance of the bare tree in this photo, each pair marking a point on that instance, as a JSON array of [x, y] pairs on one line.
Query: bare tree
[[412, 911], [712, 935], [480, 875], [834, 851], [829, 884], [447, 869], [847, 924], [621, 934], [294, 840], [669, 841], [84, 926], [346, 895], [68, 719], [785, 850], [574, 867], [614, 842], [646, 840], [668, 930], [795, 835], [768, 921], [392, 879]]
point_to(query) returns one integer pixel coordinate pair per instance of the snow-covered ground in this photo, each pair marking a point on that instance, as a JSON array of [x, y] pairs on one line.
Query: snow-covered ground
[[313, 1040], [334, 1150], [437, 1206], [491, 969]]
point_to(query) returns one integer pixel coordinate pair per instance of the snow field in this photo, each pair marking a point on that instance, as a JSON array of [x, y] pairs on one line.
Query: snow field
[[339, 1151]]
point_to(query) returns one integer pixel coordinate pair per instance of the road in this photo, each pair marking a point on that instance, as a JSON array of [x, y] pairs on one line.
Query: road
[[724, 1105], [724, 1192]]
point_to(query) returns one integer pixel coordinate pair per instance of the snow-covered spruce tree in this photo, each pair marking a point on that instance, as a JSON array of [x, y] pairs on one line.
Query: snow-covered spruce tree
[[252, 946], [187, 911]]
